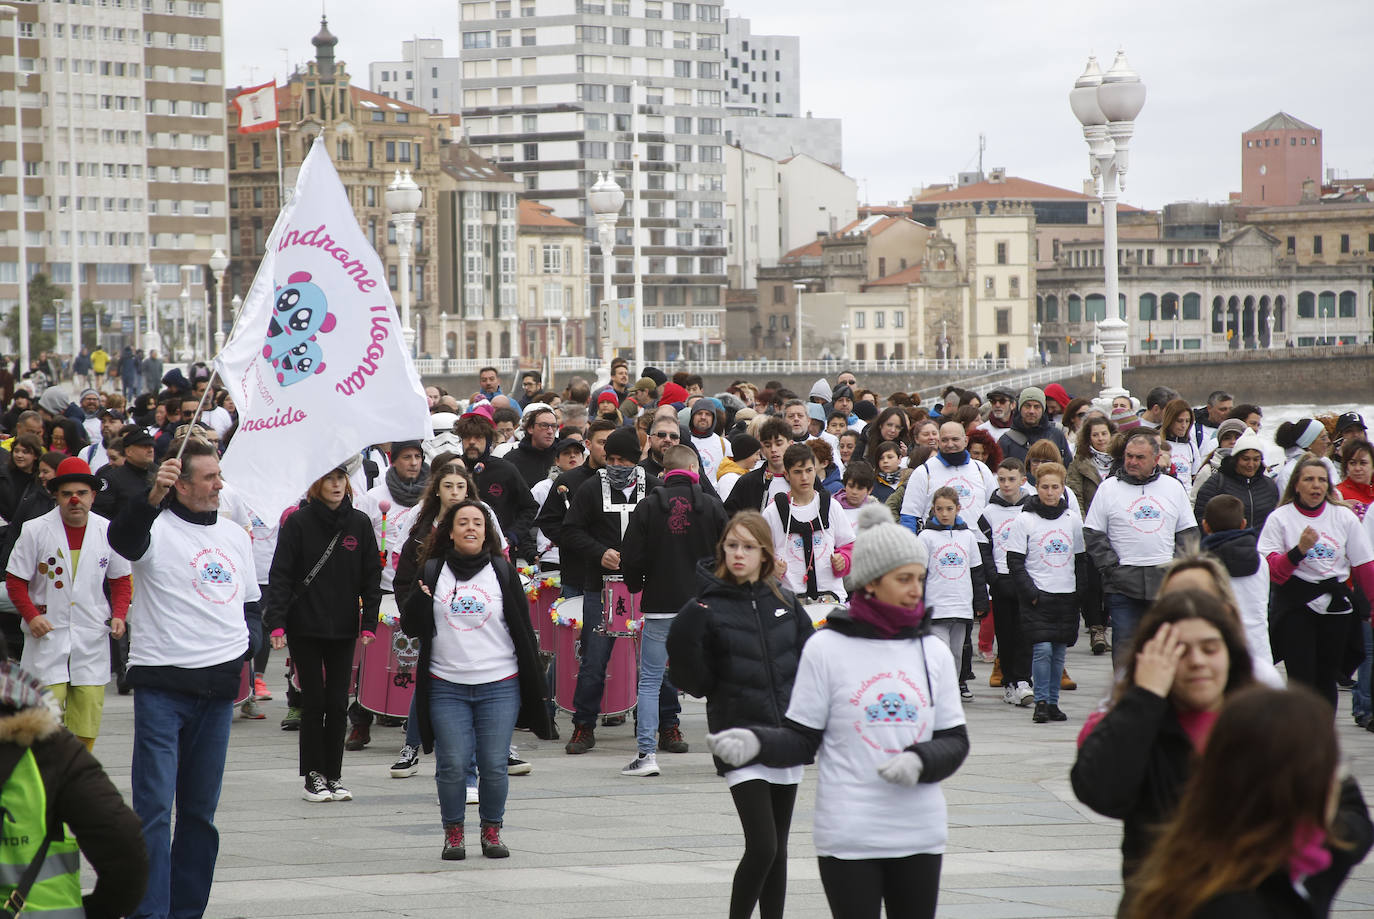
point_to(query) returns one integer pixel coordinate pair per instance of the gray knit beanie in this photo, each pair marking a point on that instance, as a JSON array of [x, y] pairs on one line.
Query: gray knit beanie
[[881, 546]]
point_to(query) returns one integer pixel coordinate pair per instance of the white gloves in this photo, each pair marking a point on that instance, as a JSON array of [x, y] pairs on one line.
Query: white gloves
[[735, 746], [903, 769]]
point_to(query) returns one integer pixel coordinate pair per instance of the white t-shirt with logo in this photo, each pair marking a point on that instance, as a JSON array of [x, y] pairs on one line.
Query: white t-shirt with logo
[[189, 590], [712, 449], [999, 518], [1050, 547], [873, 699], [949, 579], [1341, 541], [824, 541], [472, 643], [973, 481], [1140, 520]]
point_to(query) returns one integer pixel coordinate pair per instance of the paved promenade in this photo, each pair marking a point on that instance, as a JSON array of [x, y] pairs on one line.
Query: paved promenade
[[587, 842]]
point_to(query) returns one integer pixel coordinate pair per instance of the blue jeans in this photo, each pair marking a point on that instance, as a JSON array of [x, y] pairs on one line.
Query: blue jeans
[[1047, 666], [180, 742], [472, 718], [653, 661], [1125, 613], [1360, 696]]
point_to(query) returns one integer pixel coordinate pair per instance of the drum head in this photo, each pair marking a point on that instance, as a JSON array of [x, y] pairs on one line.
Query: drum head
[[819, 611], [568, 608]]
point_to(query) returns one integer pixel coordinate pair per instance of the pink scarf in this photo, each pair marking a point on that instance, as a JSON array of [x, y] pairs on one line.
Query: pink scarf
[[1310, 855], [885, 618]]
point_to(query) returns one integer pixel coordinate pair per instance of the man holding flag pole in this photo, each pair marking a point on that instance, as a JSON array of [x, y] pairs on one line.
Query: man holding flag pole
[[318, 339]]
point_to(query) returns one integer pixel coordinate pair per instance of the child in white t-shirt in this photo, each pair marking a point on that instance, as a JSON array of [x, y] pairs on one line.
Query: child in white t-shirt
[[955, 584], [812, 536], [857, 490]]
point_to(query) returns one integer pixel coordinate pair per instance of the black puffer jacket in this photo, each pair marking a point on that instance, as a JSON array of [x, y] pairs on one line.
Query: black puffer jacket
[[1016, 440], [1259, 493], [1132, 765], [669, 533], [328, 607], [729, 645], [1047, 616]]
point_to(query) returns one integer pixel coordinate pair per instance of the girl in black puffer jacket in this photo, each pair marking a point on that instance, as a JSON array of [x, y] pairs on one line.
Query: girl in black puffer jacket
[[738, 644]]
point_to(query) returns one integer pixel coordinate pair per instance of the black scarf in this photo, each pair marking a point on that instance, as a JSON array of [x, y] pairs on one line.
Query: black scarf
[[465, 567], [406, 494]]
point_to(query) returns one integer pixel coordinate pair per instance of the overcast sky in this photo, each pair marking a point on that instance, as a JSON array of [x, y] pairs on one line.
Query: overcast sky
[[916, 82]]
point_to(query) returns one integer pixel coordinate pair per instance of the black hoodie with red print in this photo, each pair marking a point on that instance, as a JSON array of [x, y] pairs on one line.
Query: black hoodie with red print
[[671, 530]]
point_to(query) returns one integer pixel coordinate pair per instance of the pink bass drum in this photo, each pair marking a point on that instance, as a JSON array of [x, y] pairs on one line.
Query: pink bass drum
[[622, 673], [386, 675], [621, 617]]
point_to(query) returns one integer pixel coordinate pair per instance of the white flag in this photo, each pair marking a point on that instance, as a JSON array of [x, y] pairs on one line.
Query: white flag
[[257, 107], [317, 365]]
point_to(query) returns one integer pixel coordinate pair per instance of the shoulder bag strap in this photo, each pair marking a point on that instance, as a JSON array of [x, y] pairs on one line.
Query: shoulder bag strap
[[328, 551], [14, 904]]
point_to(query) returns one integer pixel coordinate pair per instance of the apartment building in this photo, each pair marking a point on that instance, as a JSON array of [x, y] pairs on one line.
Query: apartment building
[[422, 76], [123, 156], [556, 91]]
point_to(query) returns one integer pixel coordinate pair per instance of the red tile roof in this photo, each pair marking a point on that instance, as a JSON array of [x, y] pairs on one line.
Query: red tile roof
[[534, 214], [906, 276], [1011, 187]]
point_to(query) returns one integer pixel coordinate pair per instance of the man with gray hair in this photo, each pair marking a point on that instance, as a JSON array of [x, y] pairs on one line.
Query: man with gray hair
[[1139, 520], [1207, 418]]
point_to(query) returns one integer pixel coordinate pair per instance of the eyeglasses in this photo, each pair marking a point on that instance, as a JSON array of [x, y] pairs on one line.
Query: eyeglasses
[[1083, 414], [547, 425], [668, 435]]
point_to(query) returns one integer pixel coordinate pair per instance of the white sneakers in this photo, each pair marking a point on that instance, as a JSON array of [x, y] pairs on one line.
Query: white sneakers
[[644, 764], [1019, 694]]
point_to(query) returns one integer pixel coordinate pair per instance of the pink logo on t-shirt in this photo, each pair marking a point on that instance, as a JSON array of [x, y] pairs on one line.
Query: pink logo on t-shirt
[[1056, 548], [950, 561], [892, 712]]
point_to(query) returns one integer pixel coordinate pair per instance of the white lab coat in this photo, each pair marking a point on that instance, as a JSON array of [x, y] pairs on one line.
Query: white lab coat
[[77, 650]]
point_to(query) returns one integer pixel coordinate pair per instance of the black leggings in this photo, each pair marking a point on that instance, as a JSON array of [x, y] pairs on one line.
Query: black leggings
[[1312, 644], [323, 666], [858, 888], [765, 813]]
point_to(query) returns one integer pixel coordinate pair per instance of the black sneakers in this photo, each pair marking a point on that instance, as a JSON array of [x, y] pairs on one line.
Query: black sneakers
[[407, 763], [316, 789], [1042, 713]]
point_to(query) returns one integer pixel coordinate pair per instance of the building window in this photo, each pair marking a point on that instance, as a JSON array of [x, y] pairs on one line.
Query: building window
[[1293, 245], [879, 319], [1345, 244], [473, 40], [898, 319], [860, 320], [990, 286], [1004, 322], [1001, 253], [553, 259], [860, 352], [1316, 245], [1014, 282]]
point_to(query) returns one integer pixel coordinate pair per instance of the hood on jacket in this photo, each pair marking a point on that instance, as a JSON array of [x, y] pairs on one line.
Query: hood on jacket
[[729, 465], [1236, 549], [704, 404], [729, 402], [28, 711], [55, 400], [821, 390], [175, 379], [1039, 432]]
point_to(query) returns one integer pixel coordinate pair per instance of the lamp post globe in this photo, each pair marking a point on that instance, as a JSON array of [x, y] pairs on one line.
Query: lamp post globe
[[403, 199], [605, 199], [218, 262]]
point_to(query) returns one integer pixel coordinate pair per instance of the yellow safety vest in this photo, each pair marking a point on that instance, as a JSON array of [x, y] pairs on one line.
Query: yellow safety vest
[[56, 893]]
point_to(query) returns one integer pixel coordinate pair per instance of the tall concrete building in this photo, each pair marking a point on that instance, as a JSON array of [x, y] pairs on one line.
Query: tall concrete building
[[763, 72], [123, 152], [1276, 157], [549, 94], [423, 76]]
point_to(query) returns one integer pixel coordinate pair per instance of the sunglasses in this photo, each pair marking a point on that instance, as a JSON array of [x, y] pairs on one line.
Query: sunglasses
[[668, 435]]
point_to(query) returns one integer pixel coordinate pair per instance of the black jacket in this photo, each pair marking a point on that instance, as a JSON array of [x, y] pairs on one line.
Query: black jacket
[[417, 621], [1238, 550], [549, 521], [588, 531], [669, 532], [130, 536], [1259, 493], [1132, 766], [793, 744], [749, 491], [82, 796], [119, 486], [1275, 897], [328, 608], [34, 502], [1046, 616], [1017, 439], [730, 645], [503, 488], [533, 465]]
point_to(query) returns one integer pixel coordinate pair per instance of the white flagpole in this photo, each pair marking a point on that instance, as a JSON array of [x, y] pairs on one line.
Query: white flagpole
[[281, 179]]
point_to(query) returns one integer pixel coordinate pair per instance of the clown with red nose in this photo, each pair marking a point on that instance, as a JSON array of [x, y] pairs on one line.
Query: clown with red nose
[[56, 577]]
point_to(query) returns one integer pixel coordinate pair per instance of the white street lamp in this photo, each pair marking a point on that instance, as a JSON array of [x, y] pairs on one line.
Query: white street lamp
[[797, 332], [403, 199], [1035, 331], [185, 298], [9, 10], [605, 199], [218, 262], [1107, 105], [150, 287]]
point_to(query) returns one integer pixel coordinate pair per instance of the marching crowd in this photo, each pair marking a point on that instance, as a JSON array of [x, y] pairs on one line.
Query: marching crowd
[[823, 568]]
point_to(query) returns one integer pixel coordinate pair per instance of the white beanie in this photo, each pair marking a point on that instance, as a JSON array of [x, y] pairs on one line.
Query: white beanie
[[881, 546]]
